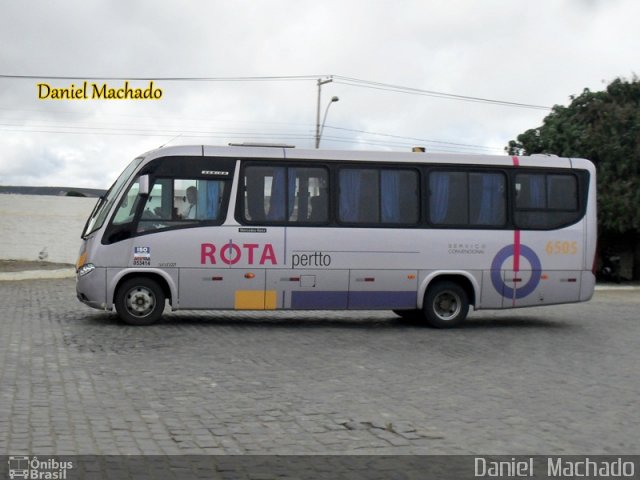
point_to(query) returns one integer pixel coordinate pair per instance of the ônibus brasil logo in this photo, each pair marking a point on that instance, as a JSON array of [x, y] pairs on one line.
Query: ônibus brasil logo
[[35, 469]]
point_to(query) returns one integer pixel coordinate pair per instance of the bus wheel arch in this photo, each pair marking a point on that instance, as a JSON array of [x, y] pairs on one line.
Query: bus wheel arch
[[139, 298], [446, 300]]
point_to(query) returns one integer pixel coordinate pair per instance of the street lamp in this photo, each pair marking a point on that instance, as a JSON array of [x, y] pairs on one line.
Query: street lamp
[[324, 119], [320, 128]]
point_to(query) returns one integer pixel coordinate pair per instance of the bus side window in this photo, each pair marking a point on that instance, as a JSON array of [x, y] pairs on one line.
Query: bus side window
[[291, 194], [458, 198], [256, 200], [562, 192], [546, 201], [175, 203], [487, 194], [359, 195], [156, 206], [399, 196], [308, 200], [448, 198], [379, 196]]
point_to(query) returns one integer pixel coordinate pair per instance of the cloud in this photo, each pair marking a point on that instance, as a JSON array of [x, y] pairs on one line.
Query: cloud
[[28, 162], [538, 53]]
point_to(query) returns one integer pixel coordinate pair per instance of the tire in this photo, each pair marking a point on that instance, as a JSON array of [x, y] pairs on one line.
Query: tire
[[446, 305], [140, 301]]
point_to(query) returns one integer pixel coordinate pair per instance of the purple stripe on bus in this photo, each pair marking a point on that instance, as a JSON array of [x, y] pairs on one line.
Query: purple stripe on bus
[[382, 300], [353, 300], [319, 300]]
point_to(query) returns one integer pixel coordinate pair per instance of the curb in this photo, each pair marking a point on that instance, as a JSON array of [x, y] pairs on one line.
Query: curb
[[37, 274], [617, 287]]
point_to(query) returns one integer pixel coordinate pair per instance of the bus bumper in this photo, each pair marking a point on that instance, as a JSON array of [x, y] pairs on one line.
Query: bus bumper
[[91, 288], [587, 286]]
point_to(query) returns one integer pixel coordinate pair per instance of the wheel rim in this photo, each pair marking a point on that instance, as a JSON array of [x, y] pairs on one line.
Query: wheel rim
[[140, 301], [447, 305]]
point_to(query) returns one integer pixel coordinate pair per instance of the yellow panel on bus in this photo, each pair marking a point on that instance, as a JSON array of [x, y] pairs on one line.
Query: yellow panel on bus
[[255, 300]]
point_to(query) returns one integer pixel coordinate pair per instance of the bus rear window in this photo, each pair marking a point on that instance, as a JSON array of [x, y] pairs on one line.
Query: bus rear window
[[545, 201]]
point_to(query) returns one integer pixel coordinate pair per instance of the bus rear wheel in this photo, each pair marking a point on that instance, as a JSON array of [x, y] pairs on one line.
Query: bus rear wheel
[[140, 301], [446, 305]]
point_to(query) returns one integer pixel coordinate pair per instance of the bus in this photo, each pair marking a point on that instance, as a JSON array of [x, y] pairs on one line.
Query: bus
[[274, 227]]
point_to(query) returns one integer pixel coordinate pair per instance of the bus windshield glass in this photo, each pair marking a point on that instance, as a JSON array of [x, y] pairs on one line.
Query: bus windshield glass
[[103, 207]]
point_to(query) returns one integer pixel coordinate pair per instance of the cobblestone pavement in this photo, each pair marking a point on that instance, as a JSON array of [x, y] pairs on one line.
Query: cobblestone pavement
[[549, 380]]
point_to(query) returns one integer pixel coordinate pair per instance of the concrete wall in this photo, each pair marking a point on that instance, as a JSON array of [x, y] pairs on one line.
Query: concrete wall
[[34, 226]]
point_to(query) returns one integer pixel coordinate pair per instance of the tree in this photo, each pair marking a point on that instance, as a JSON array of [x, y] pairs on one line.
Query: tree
[[605, 128], [73, 193]]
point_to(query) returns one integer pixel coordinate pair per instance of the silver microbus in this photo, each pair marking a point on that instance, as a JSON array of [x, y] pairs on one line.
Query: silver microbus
[[266, 228]]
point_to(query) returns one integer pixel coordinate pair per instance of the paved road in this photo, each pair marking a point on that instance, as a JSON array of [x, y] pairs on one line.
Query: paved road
[[550, 380]]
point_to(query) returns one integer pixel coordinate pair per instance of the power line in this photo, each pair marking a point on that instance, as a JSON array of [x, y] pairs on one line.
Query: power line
[[392, 140], [275, 78], [127, 129], [416, 139], [338, 79], [430, 93]]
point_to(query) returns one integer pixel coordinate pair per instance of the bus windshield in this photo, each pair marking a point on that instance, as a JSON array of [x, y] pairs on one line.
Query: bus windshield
[[103, 207]]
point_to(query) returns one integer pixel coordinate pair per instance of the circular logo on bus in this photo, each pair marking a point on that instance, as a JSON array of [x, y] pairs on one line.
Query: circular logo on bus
[[496, 272]]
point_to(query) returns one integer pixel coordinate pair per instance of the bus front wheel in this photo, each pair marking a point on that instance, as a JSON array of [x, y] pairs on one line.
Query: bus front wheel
[[446, 305], [140, 301]]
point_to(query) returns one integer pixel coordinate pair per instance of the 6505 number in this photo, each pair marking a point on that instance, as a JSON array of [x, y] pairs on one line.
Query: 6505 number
[[561, 248]]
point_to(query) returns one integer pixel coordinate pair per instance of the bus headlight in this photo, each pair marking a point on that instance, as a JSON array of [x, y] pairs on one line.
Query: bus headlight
[[86, 268]]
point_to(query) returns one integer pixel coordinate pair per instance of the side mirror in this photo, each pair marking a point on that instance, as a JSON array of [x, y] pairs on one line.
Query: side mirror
[[143, 182]]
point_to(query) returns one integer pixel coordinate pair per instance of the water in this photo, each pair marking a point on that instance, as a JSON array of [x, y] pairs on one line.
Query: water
[[42, 227]]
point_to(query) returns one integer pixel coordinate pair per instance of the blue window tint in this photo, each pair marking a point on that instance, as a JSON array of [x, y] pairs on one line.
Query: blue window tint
[[209, 199], [276, 194], [488, 201], [439, 196], [399, 196], [350, 194], [282, 194], [562, 192], [379, 196], [308, 196], [448, 198], [545, 201], [530, 191]]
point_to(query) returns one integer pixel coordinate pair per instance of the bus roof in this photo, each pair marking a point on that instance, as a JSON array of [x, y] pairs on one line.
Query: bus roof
[[281, 152]]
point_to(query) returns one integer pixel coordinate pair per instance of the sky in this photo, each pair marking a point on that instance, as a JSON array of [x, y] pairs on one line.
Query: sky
[[247, 71]]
